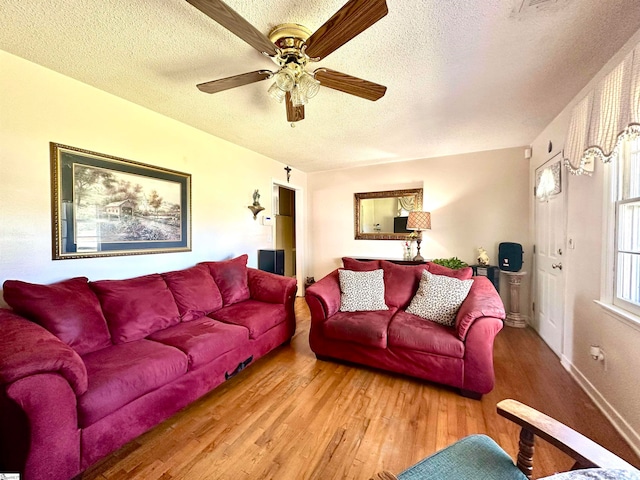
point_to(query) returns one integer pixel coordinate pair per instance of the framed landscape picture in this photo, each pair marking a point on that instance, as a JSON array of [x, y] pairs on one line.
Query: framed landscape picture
[[106, 206]]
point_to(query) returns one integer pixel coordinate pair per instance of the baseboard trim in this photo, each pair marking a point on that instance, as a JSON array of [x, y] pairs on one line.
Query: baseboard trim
[[619, 423]]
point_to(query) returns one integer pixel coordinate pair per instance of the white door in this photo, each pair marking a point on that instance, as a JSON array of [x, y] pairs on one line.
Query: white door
[[549, 250]]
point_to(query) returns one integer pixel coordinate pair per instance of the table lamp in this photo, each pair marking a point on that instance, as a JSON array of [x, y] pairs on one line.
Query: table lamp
[[419, 221]]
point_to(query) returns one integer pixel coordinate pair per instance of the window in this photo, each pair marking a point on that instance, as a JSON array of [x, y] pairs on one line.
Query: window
[[626, 288]]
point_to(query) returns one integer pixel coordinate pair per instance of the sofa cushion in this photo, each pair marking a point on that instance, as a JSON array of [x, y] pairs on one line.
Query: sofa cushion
[[439, 297], [412, 332], [361, 291], [401, 282], [461, 273], [366, 328], [121, 373], [136, 307], [231, 278], [256, 316], [203, 340], [69, 309], [195, 292], [360, 265]]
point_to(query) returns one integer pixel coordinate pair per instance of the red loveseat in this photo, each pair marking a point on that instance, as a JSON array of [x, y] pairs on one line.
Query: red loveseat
[[460, 356], [87, 366]]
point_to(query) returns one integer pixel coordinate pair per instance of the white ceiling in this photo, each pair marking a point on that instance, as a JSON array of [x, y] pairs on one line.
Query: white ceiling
[[462, 75]]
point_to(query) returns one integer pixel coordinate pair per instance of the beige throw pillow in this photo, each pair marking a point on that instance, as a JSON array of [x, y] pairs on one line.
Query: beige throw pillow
[[361, 291], [439, 298]]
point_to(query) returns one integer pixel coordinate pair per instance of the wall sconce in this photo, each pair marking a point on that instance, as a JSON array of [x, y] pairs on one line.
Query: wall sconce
[[256, 208]]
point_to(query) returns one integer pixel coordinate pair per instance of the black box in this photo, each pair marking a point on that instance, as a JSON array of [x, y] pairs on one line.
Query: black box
[[510, 256], [271, 261]]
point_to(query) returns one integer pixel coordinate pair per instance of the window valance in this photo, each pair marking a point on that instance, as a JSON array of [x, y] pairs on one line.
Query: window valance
[[608, 115]]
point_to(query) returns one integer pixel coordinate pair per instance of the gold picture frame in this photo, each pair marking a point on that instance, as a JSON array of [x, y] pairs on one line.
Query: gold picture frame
[[104, 206]]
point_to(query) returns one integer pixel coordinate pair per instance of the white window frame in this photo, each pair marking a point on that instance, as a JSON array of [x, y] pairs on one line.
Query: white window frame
[[609, 300]]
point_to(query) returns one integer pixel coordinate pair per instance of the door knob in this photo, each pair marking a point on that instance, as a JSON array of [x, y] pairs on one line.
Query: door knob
[[557, 265]]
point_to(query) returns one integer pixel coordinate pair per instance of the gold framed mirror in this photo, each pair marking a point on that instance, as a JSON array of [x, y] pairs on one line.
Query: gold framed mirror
[[383, 215]]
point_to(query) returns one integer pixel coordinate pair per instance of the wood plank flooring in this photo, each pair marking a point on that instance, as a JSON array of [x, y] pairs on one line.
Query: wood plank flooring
[[290, 417]]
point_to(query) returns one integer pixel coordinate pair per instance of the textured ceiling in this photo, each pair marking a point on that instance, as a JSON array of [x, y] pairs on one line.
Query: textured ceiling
[[462, 75]]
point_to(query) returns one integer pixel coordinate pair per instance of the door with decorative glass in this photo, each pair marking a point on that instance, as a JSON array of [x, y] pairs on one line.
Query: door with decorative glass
[[549, 250]]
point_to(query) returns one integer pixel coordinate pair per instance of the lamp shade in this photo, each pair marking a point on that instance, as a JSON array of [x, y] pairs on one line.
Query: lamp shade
[[419, 221]]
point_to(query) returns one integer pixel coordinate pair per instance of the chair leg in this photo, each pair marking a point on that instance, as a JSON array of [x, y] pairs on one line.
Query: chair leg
[[525, 452]]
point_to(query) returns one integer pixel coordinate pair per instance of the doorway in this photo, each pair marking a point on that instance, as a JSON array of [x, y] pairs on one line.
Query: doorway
[[285, 227], [550, 239]]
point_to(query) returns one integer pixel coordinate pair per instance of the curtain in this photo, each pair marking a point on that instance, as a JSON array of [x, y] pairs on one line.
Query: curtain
[[605, 118], [406, 203]]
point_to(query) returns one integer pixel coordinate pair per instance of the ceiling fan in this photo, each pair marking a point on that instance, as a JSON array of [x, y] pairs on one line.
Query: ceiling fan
[[292, 46]]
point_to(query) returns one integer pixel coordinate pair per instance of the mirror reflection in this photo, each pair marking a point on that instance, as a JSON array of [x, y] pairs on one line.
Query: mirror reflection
[[383, 215]]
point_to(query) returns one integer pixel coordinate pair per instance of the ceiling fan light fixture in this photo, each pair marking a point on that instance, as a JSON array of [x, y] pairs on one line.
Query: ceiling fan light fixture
[[276, 92], [298, 98], [285, 79], [308, 85]]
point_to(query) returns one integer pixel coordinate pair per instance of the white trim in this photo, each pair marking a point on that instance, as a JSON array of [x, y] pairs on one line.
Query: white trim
[[620, 314], [619, 423], [301, 239]]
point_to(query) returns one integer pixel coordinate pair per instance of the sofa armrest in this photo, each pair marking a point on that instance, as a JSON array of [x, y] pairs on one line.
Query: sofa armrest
[[28, 349], [269, 287], [482, 301], [323, 297]]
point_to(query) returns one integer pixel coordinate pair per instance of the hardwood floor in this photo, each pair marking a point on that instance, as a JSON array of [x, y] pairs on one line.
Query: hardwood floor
[[290, 416]]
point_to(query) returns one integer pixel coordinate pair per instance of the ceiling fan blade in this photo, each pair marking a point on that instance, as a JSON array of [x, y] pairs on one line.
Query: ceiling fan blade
[[351, 20], [294, 114], [216, 86], [348, 84], [236, 24]]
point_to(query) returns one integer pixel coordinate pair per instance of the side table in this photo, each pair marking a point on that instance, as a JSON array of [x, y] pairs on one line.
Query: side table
[[514, 317]]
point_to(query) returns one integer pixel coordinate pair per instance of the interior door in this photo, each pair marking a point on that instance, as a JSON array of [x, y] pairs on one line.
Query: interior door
[[549, 249]]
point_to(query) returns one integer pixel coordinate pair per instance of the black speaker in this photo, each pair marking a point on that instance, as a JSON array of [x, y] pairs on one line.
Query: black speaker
[[510, 256], [271, 261]]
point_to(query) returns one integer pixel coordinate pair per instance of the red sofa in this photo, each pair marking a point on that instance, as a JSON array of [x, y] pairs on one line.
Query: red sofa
[[460, 356], [87, 366]]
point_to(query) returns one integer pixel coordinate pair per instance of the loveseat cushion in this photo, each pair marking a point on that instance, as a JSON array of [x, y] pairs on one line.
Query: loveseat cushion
[[121, 373], [254, 315], [136, 307], [414, 333], [68, 309], [401, 282], [203, 340], [365, 328], [195, 292], [464, 273], [231, 278], [360, 265]]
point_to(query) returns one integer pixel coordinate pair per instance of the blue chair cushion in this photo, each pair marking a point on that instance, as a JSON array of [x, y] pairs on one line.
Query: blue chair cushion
[[475, 456]]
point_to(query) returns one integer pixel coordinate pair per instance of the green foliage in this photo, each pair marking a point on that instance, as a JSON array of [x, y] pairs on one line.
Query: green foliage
[[453, 262]]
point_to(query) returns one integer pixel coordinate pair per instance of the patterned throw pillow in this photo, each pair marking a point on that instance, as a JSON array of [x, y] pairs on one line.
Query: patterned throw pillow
[[439, 298], [361, 291]]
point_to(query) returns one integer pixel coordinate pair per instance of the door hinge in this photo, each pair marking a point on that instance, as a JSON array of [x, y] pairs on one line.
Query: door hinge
[[534, 249], [533, 306], [535, 191]]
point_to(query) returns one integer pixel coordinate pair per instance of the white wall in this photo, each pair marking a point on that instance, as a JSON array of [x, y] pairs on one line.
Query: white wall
[[614, 388], [38, 106], [477, 199]]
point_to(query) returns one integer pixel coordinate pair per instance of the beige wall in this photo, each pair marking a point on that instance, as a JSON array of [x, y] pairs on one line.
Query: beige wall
[[477, 199], [614, 383], [38, 106]]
